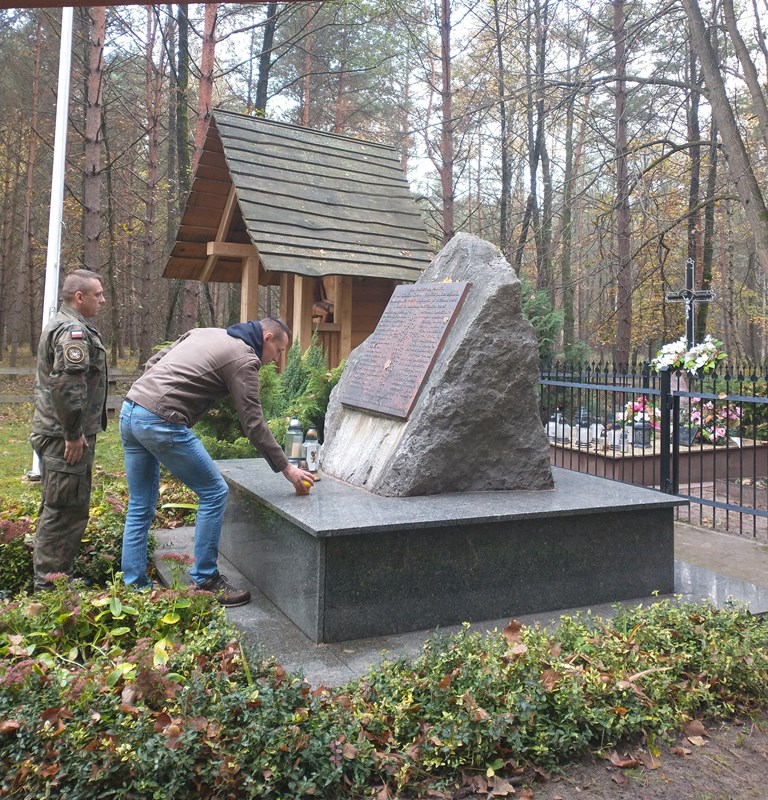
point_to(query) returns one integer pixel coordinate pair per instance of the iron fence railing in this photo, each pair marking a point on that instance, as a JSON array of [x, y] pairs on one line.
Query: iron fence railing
[[704, 437]]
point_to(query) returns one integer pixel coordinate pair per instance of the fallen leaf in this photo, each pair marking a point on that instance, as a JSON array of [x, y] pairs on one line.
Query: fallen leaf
[[549, 679], [446, 680], [649, 761], [501, 787], [620, 778], [9, 726], [698, 741], [513, 631], [680, 751], [694, 727], [623, 762]]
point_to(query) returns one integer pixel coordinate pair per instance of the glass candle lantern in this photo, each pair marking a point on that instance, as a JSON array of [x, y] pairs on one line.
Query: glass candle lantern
[[294, 438]]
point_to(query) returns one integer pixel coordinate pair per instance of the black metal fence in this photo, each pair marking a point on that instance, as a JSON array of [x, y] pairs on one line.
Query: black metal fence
[[704, 438]]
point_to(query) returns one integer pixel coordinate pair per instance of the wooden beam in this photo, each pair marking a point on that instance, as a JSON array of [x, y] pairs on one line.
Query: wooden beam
[[216, 250], [226, 217], [286, 308], [302, 310], [231, 249], [207, 270], [343, 314], [249, 293]]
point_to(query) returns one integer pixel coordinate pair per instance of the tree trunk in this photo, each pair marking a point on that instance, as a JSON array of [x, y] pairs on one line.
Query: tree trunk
[[205, 90], [737, 158], [172, 196], [566, 272], [265, 59], [447, 123], [751, 78], [20, 315], [11, 187], [111, 282], [306, 96], [708, 248], [182, 102], [624, 267], [694, 155], [93, 120], [148, 292], [204, 111], [533, 153], [506, 182], [341, 86]]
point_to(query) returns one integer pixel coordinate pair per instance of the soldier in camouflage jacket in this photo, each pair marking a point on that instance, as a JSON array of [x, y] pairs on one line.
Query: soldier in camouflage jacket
[[70, 408]]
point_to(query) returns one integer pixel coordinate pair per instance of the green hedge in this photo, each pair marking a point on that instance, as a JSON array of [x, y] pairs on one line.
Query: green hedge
[[150, 695]]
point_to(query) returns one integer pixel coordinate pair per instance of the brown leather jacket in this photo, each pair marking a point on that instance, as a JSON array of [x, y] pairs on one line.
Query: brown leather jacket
[[182, 381]]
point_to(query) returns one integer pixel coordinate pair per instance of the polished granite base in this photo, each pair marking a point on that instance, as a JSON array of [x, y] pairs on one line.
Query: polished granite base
[[344, 564]]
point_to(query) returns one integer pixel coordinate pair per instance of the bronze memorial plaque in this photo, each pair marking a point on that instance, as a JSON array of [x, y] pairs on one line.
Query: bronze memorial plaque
[[400, 353]]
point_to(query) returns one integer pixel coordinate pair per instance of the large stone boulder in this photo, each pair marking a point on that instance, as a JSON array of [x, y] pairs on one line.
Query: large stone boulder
[[475, 425]]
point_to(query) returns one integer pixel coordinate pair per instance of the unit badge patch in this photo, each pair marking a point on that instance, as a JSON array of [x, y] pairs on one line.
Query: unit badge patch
[[74, 353]]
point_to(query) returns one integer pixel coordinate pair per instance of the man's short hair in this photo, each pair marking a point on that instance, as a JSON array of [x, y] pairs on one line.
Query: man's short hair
[[79, 280], [276, 325]]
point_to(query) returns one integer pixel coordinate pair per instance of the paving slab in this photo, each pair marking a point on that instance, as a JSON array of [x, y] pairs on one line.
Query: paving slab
[[708, 565]]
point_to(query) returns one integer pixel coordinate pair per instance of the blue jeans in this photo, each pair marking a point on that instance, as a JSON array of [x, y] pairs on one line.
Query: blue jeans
[[149, 441]]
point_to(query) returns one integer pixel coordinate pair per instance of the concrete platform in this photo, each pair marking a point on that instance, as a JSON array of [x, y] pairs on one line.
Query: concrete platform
[[708, 565], [343, 563]]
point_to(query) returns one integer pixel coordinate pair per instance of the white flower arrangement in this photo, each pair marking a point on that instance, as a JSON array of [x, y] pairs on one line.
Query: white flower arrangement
[[702, 357]]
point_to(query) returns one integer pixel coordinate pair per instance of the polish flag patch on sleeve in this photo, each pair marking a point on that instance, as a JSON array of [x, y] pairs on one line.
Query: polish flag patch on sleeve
[[75, 334]]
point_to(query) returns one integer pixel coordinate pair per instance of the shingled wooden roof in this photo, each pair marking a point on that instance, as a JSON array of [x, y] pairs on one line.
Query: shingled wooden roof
[[312, 203]]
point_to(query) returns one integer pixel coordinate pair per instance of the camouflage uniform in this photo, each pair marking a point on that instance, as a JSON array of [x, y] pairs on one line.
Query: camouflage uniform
[[70, 401]]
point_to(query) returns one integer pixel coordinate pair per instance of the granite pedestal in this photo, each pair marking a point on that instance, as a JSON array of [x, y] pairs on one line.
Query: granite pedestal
[[342, 563]]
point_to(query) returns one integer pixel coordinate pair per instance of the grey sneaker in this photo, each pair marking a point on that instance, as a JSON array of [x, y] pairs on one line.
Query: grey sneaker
[[225, 593]]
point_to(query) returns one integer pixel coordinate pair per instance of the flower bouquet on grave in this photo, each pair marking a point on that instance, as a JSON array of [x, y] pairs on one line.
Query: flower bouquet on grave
[[714, 419], [702, 357], [640, 410]]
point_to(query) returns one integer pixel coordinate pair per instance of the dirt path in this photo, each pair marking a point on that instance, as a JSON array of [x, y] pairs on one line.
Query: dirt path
[[719, 761]]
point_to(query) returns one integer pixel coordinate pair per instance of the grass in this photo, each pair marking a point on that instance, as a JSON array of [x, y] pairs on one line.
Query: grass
[[16, 453]]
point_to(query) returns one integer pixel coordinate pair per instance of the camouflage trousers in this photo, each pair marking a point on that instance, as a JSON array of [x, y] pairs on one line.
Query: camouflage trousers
[[65, 496]]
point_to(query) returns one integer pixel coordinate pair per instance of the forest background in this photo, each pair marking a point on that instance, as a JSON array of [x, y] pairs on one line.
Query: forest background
[[599, 145]]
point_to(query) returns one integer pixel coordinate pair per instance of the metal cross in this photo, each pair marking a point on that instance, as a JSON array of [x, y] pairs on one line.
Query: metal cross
[[689, 296]]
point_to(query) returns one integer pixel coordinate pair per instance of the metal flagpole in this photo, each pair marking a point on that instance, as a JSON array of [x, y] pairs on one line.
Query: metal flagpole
[[56, 212]]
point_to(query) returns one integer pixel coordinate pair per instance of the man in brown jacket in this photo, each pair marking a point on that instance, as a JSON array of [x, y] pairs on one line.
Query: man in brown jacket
[[70, 408], [179, 384]]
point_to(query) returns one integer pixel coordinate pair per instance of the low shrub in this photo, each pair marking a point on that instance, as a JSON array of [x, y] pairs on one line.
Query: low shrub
[[100, 551], [140, 695]]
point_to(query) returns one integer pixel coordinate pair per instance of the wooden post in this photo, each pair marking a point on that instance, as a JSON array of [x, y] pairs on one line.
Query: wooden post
[[249, 294], [343, 314], [302, 310]]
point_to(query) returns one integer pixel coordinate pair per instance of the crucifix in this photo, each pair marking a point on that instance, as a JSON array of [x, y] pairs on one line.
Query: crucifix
[[690, 296]]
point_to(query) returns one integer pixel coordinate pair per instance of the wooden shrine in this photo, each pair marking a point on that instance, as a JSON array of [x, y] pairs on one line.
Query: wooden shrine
[[328, 218]]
